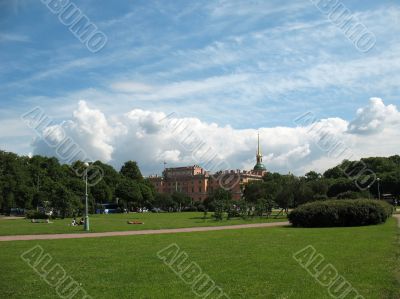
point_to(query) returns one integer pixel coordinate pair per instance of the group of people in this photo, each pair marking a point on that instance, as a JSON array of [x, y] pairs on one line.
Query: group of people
[[75, 223]]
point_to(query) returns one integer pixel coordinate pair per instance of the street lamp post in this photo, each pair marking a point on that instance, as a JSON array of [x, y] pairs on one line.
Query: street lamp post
[[379, 189], [87, 228]]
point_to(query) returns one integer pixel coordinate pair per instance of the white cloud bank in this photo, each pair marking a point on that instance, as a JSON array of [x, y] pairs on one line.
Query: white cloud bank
[[151, 138], [374, 118]]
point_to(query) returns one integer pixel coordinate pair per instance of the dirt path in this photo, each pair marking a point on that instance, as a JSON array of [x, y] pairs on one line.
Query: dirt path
[[138, 232]]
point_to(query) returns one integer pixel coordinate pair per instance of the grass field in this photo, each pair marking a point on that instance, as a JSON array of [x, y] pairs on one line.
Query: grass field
[[249, 263], [118, 222]]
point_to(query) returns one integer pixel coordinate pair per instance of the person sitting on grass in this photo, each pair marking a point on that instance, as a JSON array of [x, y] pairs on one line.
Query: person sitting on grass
[[73, 223], [81, 222]]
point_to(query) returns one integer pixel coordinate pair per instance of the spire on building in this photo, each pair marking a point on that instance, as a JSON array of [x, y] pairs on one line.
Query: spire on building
[[259, 155], [259, 166]]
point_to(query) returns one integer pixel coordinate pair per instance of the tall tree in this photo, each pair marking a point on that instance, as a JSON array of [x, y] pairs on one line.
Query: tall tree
[[131, 170], [129, 192]]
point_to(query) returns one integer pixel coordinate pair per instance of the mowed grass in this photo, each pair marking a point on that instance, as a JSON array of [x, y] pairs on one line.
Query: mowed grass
[[118, 222], [247, 263]]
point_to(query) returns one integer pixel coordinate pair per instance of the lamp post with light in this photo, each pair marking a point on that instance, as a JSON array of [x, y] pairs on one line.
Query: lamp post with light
[[86, 164]]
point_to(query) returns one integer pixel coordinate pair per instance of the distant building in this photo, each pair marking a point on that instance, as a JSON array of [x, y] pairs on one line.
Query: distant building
[[197, 183]]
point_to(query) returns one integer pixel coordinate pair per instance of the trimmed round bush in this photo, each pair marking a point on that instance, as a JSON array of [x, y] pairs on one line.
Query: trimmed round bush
[[331, 213]]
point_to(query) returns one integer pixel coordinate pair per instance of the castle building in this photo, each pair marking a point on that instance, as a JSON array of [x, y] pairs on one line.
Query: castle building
[[197, 183]]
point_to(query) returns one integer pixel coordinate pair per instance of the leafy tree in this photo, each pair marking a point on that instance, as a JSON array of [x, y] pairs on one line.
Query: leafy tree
[[64, 202], [341, 185], [318, 187], [131, 170], [164, 201], [101, 192], [334, 173], [219, 209], [243, 208], [221, 202], [263, 206], [254, 191], [147, 195], [285, 197], [129, 192], [24, 196], [302, 193], [312, 176], [181, 200], [111, 176]]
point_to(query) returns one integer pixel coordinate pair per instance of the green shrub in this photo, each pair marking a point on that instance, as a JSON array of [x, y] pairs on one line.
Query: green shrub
[[348, 195], [331, 213], [33, 214]]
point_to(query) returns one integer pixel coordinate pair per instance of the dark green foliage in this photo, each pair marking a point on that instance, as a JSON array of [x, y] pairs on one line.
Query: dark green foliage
[[312, 176], [42, 183], [128, 191], [131, 170], [102, 192], [263, 206], [164, 202], [334, 213], [33, 214], [181, 200], [219, 208], [63, 201], [341, 185], [351, 195], [220, 201], [348, 180], [243, 208], [147, 195], [255, 191]]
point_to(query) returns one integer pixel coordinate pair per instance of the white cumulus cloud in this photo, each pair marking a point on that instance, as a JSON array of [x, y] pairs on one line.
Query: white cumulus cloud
[[152, 137], [372, 118]]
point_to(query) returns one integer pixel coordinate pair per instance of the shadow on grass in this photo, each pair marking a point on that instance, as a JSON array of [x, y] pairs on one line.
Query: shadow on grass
[[238, 218]]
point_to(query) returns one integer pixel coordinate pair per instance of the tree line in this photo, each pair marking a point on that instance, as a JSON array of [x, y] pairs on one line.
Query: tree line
[[30, 183], [367, 178], [38, 182]]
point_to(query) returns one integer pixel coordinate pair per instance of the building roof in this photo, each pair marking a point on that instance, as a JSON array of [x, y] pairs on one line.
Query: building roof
[[259, 166]]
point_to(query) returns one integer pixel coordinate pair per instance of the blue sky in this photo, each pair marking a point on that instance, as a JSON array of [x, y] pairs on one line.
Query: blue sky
[[243, 64]]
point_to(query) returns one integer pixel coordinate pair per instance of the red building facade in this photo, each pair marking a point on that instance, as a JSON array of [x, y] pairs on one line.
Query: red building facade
[[197, 183]]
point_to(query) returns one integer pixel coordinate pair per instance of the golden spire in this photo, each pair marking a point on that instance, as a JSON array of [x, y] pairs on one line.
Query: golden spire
[[259, 166], [259, 154]]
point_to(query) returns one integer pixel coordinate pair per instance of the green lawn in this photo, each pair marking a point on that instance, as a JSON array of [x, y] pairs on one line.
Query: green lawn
[[118, 222], [248, 263]]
